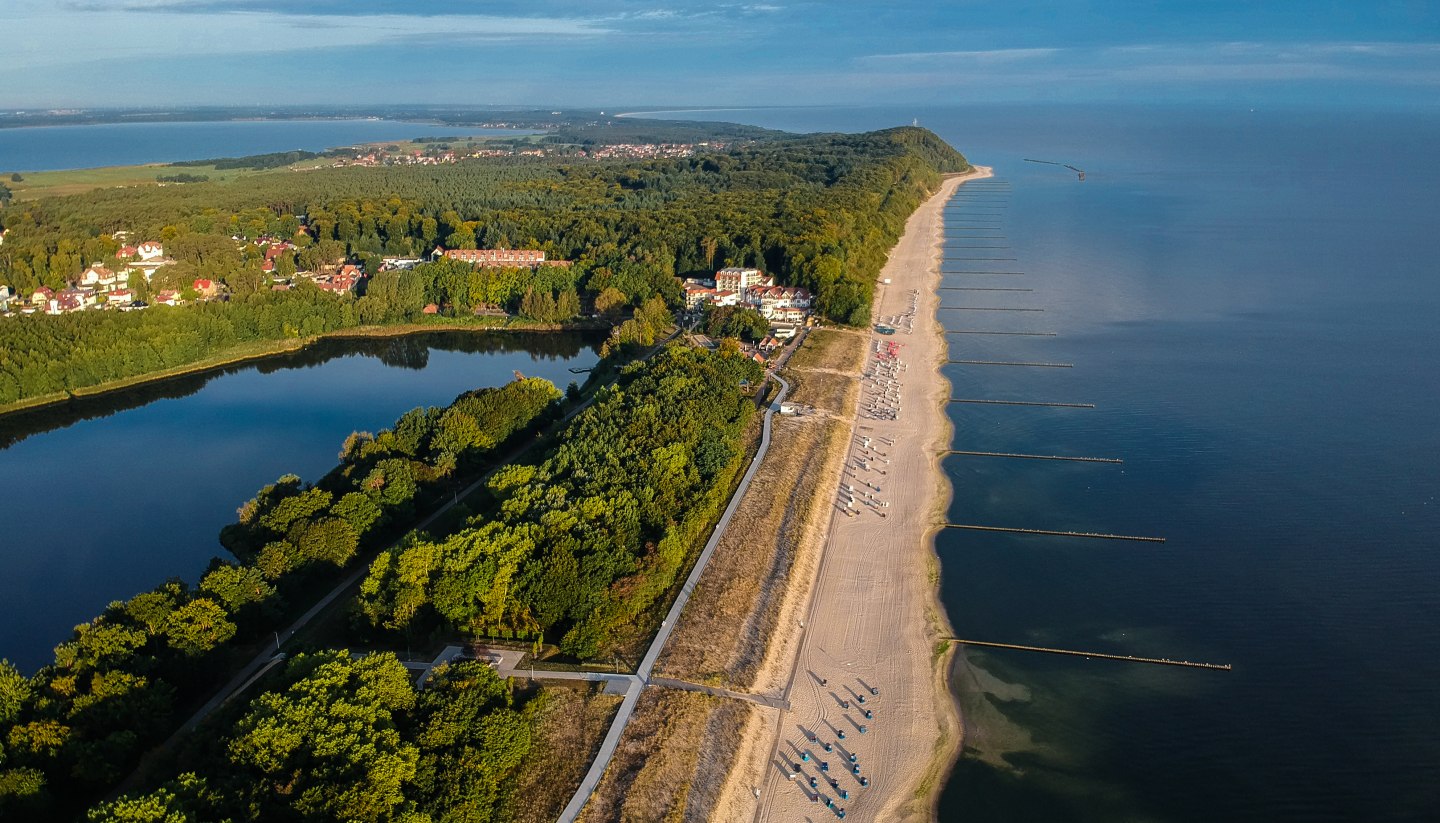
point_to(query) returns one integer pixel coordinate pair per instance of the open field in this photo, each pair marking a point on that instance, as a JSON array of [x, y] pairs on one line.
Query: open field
[[39, 184]]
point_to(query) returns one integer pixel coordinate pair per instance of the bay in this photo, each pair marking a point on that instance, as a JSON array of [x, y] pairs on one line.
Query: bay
[[114, 494], [52, 148], [1249, 299]]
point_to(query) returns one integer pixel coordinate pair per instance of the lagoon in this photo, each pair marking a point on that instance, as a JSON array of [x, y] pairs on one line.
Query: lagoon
[[109, 496], [51, 148]]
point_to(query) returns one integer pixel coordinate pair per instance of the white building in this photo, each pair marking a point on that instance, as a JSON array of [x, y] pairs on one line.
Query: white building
[[737, 279]]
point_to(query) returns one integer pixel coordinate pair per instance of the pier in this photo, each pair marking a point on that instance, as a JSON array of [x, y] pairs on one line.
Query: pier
[[1054, 533], [1159, 661], [1035, 456], [1023, 403]]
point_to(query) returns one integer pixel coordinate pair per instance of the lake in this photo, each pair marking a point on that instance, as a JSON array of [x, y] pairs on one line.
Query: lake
[[1250, 300], [50, 148], [109, 496]]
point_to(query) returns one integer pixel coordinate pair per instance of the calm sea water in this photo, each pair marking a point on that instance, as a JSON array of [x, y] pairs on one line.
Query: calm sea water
[[1251, 301], [47, 148], [112, 496]]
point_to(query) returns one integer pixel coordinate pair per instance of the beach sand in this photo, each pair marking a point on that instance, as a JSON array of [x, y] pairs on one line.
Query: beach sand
[[873, 617]]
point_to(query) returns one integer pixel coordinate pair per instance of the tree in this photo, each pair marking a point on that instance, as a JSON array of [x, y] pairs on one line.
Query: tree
[[610, 303], [198, 626], [14, 692], [328, 746]]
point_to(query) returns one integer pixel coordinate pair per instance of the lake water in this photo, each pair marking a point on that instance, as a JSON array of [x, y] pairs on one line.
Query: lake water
[[48, 148], [110, 496], [1251, 301]]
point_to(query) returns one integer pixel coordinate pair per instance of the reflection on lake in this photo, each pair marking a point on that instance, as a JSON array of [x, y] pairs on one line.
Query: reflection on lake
[[110, 495]]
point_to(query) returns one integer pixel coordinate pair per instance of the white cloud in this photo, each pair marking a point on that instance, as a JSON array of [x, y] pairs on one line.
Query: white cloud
[[32, 40], [977, 57]]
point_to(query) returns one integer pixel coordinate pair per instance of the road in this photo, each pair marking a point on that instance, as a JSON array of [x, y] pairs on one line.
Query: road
[[667, 626]]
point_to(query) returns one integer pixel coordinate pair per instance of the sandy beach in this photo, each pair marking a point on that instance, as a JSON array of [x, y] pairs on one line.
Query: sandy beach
[[865, 638]]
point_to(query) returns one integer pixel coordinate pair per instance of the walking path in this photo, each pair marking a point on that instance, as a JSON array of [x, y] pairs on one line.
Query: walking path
[[667, 626]]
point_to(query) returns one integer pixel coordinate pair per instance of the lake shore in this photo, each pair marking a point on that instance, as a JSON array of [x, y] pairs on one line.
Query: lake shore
[[873, 624], [260, 350]]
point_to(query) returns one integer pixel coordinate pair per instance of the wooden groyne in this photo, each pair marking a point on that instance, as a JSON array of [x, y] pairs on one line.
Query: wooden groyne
[[944, 273], [985, 308], [980, 259], [1079, 172], [1023, 403], [1055, 533], [979, 288], [1036, 456], [1159, 661], [1012, 363], [1016, 333]]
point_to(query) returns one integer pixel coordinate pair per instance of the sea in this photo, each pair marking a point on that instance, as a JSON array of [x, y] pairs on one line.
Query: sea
[[1250, 300], [52, 148]]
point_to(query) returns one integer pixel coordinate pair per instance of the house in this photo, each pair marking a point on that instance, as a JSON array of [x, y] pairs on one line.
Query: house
[[697, 296], [770, 300], [7, 294], [268, 266], [168, 297], [150, 250], [70, 300], [205, 287], [42, 296], [147, 267], [120, 297], [725, 298], [99, 277], [495, 257], [738, 279], [342, 282], [430, 308], [127, 252]]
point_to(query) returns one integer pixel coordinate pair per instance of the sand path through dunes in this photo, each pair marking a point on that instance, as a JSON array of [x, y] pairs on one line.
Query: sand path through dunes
[[874, 618]]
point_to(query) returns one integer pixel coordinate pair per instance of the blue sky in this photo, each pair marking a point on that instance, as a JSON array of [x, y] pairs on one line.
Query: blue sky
[[619, 53]]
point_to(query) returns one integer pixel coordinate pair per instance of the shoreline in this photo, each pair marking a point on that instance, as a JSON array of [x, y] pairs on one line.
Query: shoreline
[[269, 349], [889, 564]]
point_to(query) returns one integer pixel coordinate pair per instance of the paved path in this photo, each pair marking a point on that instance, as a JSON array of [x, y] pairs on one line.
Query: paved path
[[647, 664]]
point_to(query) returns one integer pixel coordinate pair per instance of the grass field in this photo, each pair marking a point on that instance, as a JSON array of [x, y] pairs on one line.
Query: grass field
[[37, 184], [671, 760]]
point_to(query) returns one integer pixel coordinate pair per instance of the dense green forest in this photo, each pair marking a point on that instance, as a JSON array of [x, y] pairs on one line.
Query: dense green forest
[[577, 548], [78, 725], [336, 738], [818, 211]]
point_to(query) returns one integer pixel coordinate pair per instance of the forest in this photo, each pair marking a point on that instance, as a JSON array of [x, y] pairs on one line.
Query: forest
[[121, 682], [818, 211]]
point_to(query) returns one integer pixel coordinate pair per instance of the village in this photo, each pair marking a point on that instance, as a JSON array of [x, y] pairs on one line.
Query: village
[[443, 154], [99, 287]]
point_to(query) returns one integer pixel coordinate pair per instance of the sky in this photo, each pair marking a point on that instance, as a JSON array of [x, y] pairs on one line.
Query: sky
[[671, 53]]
